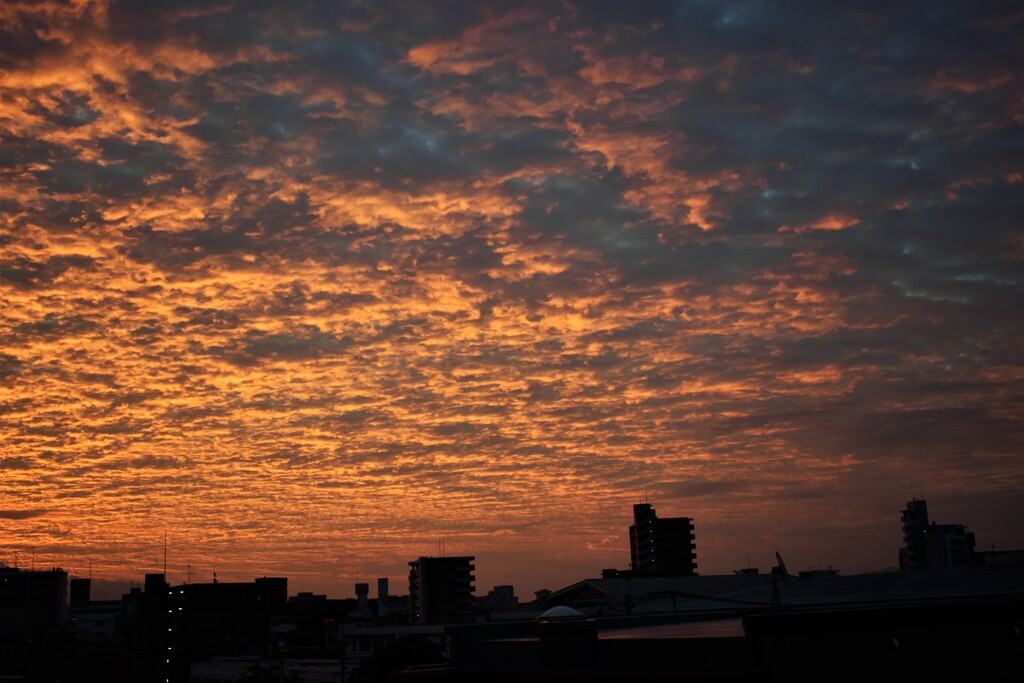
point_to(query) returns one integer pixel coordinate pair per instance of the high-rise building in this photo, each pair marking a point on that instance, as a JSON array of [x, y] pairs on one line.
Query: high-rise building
[[661, 547], [441, 589], [932, 546]]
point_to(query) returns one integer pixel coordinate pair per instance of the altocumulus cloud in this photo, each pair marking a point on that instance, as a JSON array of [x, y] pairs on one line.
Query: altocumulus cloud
[[335, 275]]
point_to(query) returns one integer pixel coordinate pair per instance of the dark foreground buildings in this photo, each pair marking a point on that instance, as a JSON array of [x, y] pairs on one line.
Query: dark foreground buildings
[[169, 627], [32, 602], [658, 621], [960, 624]]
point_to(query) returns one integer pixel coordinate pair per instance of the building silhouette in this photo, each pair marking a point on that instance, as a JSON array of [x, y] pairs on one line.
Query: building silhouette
[[661, 547], [32, 601], [932, 546], [383, 599], [441, 589], [498, 599], [169, 627]]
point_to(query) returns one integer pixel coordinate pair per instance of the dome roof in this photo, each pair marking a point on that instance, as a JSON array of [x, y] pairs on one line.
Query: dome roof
[[561, 612]]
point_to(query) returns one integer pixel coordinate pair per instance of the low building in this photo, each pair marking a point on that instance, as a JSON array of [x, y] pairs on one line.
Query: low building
[[625, 595], [377, 650], [499, 599], [93, 621], [226, 669]]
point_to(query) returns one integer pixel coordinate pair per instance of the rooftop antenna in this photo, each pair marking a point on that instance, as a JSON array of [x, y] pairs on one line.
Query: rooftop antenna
[[188, 574], [165, 554]]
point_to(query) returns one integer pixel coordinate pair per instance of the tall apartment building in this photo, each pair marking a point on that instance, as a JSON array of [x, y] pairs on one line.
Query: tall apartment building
[[661, 547], [932, 546], [441, 589]]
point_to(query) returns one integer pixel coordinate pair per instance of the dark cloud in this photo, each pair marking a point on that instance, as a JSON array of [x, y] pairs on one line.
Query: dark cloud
[[22, 514], [276, 118], [16, 463], [150, 461], [25, 40], [68, 109], [304, 343], [207, 318], [176, 249], [52, 327], [10, 366], [27, 273]]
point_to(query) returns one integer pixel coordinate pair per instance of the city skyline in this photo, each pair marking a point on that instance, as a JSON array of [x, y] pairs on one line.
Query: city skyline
[[111, 585], [307, 288]]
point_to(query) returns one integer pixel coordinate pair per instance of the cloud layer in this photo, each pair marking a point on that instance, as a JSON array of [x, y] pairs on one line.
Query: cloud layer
[[309, 287]]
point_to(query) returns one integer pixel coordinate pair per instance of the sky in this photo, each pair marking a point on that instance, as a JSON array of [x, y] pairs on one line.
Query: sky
[[306, 287]]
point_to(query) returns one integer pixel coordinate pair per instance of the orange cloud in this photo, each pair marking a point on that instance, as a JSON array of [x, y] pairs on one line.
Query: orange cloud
[[832, 221]]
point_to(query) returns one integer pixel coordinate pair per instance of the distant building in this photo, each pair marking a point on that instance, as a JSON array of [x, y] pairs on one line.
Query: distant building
[[363, 594], [441, 589], [382, 597], [500, 599], [932, 546], [997, 558], [661, 547], [81, 592]]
